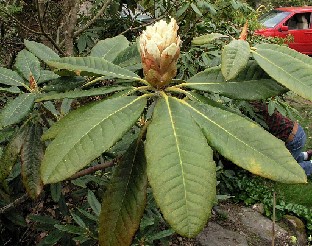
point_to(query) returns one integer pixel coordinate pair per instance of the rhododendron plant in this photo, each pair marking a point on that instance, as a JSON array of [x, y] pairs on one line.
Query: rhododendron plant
[[163, 135]]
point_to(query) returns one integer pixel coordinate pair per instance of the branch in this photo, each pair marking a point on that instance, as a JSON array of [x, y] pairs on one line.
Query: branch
[[90, 22], [176, 4], [19, 23], [143, 25], [46, 34], [13, 204], [95, 168]]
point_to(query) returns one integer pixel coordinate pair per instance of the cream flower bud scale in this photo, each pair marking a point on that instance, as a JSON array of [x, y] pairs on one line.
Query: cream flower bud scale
[[160, 49]]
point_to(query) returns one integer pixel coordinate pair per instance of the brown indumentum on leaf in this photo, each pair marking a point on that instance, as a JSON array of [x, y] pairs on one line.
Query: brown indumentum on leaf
[[160, 50]]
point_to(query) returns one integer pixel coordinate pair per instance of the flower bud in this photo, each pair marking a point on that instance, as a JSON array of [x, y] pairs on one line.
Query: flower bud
[[160, 49]]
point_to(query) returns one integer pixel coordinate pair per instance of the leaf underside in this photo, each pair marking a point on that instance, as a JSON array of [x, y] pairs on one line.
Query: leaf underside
[[124, 201], [180, 167], [80, 93], [95, 65], [88, 135], [286, 66], [10, 154], [251, 84], [247, 144], [31, 156]]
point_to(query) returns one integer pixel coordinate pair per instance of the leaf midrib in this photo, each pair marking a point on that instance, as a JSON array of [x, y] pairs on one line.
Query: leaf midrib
[[179, 153], [280, 68], [91, 128]]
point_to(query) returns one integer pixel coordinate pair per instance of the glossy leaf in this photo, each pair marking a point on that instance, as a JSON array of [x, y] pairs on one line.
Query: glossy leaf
[[12, 89], [94, 65], [80, 93], [247, 144], [287, 67], [124, 201], [71, 229], [10, 77], [110, 47], [31, 156], [249, 85], [42, 51], [207, 38], [56, 191], [182, 9], [64, 84], [47, 75], [52, 238], [16, 109], [89, 215], [210, 7], [129, 58], [180, 167], [28, 65], [78, 220], [234, 58], [90, 134], [94, 203], [42, 219], [196, 10]]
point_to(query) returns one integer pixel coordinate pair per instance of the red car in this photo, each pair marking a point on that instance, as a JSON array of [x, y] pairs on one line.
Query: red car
[[294, 21]]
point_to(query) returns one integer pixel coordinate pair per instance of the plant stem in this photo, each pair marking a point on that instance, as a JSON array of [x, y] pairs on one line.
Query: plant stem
[[178, 90], [273, 219], [89, 23], [43, 31], [13, 204], [95, 168]]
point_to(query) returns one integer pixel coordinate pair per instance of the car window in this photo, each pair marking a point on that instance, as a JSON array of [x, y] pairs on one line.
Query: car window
[[299, 21], [272, 18]]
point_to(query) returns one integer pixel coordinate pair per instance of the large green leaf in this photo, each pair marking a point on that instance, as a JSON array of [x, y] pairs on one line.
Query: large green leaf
[[234, 58], [94, 65], [65, 83], [31, 156], [12, 89], [196, 9], [28, 65], [247, 144], [70, 119], [47, 75], [129, 58], [9, 77], [43, 52], [253, 85], [124, 201], [286, 66], [66, 123], [110, 47], [80, 93], [91, 133], [16, 109], [180, 167]]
